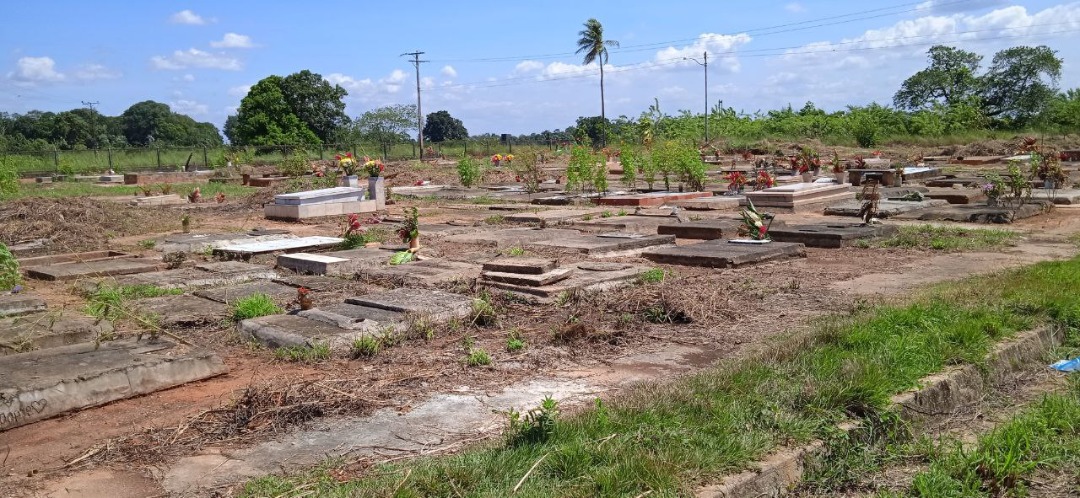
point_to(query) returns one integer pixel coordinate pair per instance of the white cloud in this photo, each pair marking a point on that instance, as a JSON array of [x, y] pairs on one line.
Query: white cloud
[[528, 66], [240, 91], [427, 82], [876, 47], [31, 70], [189, 107], [449, 72], [795, 7], [95, 72], [233, 40], [952, 6], [193, 57], [721, 47], [188, 77], [187, 17]]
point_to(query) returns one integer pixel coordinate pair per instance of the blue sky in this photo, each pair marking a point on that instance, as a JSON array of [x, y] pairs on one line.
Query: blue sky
[[502, 66]]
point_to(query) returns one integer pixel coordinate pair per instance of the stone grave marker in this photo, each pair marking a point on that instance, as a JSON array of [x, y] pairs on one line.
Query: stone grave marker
[[47, 382], [529, 266], [974, 213], [424, 273], [552, 215], [723, 254], [75, 257], [830, 236], [90, 269], [714, 203], [546, 287], [434, 304], [957, 195], [886, 208], [20, 304], [200, 242], [649, 199], [702, 229], [183, 310], [48, 330], [511, 237], [338, 263], [158, 200], [202, 275], [248, 249], [232, 293], [603, 243], [280, 331], [336, 201], [800, 196]]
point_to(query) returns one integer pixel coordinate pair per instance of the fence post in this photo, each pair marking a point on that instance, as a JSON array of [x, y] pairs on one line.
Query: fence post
[[56, 157], [109, 150], [466, 147], [205, 158], [158, 154]]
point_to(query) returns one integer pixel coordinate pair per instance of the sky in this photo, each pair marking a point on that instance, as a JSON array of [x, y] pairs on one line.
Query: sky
[[503, 67]]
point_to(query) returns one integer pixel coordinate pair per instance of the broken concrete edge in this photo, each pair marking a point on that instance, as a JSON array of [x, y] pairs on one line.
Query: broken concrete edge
[[119, 383], [938, 394]]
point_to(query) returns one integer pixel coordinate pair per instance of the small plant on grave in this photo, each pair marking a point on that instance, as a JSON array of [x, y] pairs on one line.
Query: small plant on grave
[[174, 260], [147, 190], [9, 269], [185, 223], [478, 357], [652, 276], [166, 188], [736, 181], [1018, 186], [354, 235], [515, 251], [528, 172], [534, 426], [421, 327], [606, 214], [483, 312], [495, 219], [622, 212], [469, 172], [994, 187], [838, 166], [410, 227], [316, 353], [147, 244], [254, 306], [514, 341], [366, 346], [295, 163], [587, 217], [755, 225]]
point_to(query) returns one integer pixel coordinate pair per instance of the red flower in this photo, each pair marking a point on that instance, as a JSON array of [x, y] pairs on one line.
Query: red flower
[[348, 154], [381, 167], [303, 291], [337, 157], [419, 182], [761, 231]]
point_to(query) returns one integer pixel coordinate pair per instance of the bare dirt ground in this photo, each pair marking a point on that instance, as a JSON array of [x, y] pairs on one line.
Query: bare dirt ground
[[127, 448]]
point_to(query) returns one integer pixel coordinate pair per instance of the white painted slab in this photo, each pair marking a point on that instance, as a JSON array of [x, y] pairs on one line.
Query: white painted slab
[[317, 258], [798, 187], [914, 170], [326, 195], [280, 245]]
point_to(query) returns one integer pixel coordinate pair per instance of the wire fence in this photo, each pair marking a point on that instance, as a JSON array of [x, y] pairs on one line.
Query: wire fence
[[91, 161]]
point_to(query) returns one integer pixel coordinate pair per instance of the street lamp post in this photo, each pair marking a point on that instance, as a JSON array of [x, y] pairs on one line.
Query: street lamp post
[[704, 64]]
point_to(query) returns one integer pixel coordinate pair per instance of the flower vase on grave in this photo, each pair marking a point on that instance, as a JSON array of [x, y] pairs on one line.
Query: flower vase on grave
[[807, 177], [840, 177], [414, 244], [352, 181], [992, 202], [377, 191], [1048, 184], [898, 180]]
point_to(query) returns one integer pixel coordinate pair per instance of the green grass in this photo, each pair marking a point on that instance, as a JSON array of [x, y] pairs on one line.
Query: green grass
[[495, 219], [1045, 436], [943, 238], [477, 358], [109, 302], [365, 347], [668, 438], [652, 276], [515, 251], [254, 306], [82, 189], [316, 353]]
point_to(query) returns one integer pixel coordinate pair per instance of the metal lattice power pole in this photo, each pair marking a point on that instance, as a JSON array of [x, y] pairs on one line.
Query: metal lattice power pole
[[419, 110], [93, 121]]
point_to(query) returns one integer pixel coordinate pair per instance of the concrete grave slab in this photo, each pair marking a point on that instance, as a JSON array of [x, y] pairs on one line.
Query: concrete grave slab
[[511, 237], [356, 317], [604, 243], [25, 247], [830, 236], [886, 208], [201, 276], [1061, 196], [20, 304], [587, 276], [701, 229], [298, 244], [649, 199], [282, 331], [426, 273], [316, 283], [91, 269], [158, 200], [643, 224], [957, 195], [320, 196], [977, 160], [45, 383], [75, 257], [338, 263], [551, 216], [920, 172], [183, 310], [962, 181], [723, 254], [531, 280], [308, 211], [48, 330], [975, 213], [528, 266], [900, 192], [201, 242], [714, 203], [435, 304], [233, 293], [791, 196]]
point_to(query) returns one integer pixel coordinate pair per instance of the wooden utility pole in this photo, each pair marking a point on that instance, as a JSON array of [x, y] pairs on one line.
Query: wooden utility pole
[[419, 111], [93, 121]]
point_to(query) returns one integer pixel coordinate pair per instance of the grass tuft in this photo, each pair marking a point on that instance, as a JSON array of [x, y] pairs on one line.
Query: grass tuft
[[944, 238], [254, 306]]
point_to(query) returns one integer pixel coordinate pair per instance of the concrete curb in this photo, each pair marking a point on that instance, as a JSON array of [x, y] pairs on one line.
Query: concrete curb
[[940, 394]]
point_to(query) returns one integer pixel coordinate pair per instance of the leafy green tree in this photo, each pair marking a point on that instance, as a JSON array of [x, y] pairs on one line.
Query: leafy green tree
[[150, 122], [595, 47], [229, 129], [1063, 112], [317, 103], [1021, 82], [593, 127], [385, 126], [440, 126], [265, 118], [952, 77]]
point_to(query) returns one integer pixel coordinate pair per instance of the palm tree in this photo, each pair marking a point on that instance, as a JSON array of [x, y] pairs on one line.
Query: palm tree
[[594, 45]]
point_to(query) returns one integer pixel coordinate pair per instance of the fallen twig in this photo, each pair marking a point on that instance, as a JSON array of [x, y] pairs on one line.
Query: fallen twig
[[527, 474]]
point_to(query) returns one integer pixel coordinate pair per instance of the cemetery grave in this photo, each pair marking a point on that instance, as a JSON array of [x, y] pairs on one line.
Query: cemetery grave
[[723, 253], [800, 197], [829, 235]]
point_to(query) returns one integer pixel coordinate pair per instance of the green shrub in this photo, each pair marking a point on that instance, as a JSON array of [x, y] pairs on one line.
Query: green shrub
[[652, 276], [365, 347], [478, 358], [9, 177], [9, 269], [254, 306], [470, 172]]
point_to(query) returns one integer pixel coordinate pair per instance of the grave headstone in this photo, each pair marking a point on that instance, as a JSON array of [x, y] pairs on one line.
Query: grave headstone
[[586, 276], [723, 254], [247, 249]]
